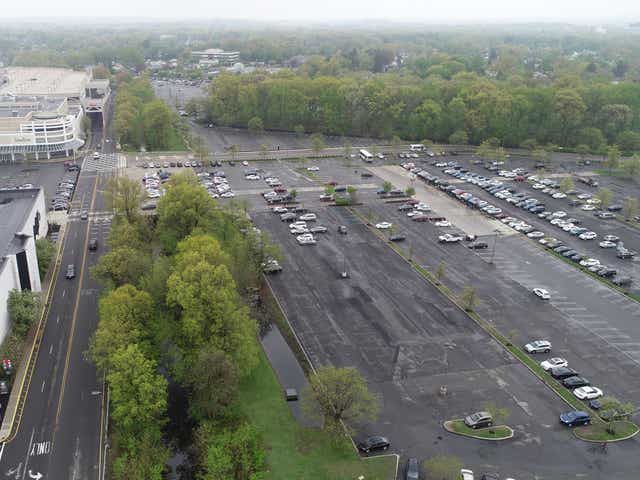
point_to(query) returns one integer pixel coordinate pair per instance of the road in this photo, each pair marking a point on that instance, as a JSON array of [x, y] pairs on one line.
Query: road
[[58, 436]]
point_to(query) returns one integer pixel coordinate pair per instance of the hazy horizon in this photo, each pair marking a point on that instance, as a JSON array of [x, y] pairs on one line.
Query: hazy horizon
[[454, 11]]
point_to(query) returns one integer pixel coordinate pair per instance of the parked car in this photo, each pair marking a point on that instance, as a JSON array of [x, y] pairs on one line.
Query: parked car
[[478, 245], [374, 443], [563, 372], [412, 470], [271, 266], [542, 293], [478, 420], [575, 382], [554, 362], [575, 418], [538, 346], [384, 225], [587, 393]]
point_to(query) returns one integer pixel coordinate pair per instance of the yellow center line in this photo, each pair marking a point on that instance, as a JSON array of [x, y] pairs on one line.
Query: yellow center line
[[75, 309]]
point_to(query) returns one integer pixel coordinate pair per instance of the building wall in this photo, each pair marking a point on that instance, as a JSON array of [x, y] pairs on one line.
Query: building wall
[[8, 281]]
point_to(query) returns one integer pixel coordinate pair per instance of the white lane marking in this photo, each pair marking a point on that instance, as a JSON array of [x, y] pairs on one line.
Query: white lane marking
[[57, 318], [51, 348], [26, 460], [2, 450], [42, 389], [64, 292]]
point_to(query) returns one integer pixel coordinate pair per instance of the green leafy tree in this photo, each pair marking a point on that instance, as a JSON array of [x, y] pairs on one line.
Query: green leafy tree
[[443, 467], [529, 144], [138, 392], [158, 121], [468, 298], [485, 151], [459, 137], [613, 158], [542, 156], [396, 143], [410, 191], [440, 271], [329, 190], [233, 150], [294, 194], [213, 381], [353, 194], [234, 453], [605, 196], [630, 207], [615, 410], [566, 185], [339, 395], [499, 414], [255, 125], [123, 196], [631, 166], [200, 148], [317, 143], [23, 308], [387, 186], [142, 457], [264, 151], [582, 150], [120, 266], [126, 317], [299, 130], [45, 251]]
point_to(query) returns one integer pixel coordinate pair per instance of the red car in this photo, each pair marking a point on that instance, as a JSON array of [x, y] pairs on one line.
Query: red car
[[412, 201], [333, 183], [280, 189], [419, 218]]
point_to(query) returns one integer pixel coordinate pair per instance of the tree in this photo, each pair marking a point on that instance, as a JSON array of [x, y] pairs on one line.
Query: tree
[[200, 148], [45, 251], [566, 185], [542, 156], [233, 454], [582, 150], [631, 166], [620, 410], [158, 121], [339, 395], [126, 317], [299, 130], [138, 392], [443, 467], [255, 125], [485, 151], [264, 150], [396, 143], [353, 197], [317, 143], [410, 191], [329, 190], [294, 194], [468, 298], [529, 144], [213, 381], [121, 265], [605, 196], [123, 195], [628, 141], [143, 457], [387, 186], [234, 150], [613, 158], [347, 149], [440, 271], [630, 207], [23, 308], [499, 414], [459, 137]]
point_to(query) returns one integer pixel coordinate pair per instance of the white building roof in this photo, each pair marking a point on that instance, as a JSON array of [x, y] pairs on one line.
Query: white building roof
[[40, 81]]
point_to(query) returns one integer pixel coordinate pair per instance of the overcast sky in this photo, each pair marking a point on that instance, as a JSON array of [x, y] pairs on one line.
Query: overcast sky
[[422, 10]]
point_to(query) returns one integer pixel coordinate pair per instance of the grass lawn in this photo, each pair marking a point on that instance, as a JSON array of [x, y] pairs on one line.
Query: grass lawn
[[597, 432], [500, 431], [297, 452]]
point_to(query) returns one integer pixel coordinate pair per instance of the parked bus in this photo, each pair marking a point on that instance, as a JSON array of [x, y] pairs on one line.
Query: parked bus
[[416, 147], [366, 156]]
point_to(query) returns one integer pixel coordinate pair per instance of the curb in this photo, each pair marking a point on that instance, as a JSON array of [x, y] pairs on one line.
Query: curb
[[18, 397], [575, 434], [446, 426]]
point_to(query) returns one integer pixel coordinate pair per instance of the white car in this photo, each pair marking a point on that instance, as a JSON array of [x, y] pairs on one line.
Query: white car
[[588, 208], [538, 186], [423, 207], [538, 346], [279, 209], [594, 201], [587, 393], [559, 195], [252, 177], [443, 223], [606, 244], [228, 194], [584, 196], [308, 217], [466, 474], [589, 262], [384, 225], [299, 230], [449, 238], [542, 293], [313, 169], [553, 363], [413, 213], [588, 236], [245, 163], [306, 239], [297, 224], [559, 214]]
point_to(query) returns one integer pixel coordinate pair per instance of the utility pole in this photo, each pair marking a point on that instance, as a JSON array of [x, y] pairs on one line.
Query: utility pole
[[495, 240]]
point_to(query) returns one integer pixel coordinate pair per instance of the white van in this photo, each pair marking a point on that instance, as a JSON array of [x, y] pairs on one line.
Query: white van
[[416, 147]]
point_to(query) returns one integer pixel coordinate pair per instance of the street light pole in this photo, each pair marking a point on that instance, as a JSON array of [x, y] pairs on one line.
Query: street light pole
[[495, 240]]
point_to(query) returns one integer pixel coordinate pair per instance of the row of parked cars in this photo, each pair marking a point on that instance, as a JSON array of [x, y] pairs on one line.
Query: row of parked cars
[[582, 389], [216, 184], [64, 191]]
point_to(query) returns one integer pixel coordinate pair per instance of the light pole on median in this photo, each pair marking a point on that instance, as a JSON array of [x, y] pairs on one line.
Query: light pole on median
[[496, 232]]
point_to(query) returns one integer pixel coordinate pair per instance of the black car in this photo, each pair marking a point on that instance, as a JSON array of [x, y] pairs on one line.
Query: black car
[[575, 382], [478, 246], [374, 443], [71, 271], [622, 281], [397, 238], [563, 372], [614, 208], [366, 174], [4, 390], [412, 470], [405, 207], [561, 249], [607, 272], [93, 244], [342, 229]]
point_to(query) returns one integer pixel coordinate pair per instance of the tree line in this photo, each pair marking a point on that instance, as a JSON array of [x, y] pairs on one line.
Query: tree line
[[142, 120], [467, 108]]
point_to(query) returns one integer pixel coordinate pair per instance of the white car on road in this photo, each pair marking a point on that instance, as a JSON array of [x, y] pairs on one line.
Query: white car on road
[[313, 169], [449, 238], [554, 362], [542, 293], [384, 225], [587, 393], [306, 239], [588, 208], [538, 346], [606, 244], [308, 217], [588, 236], [443, 223]]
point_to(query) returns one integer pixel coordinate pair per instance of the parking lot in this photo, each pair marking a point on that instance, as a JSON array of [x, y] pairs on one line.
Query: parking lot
[[45, 175]]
